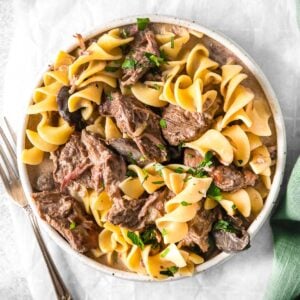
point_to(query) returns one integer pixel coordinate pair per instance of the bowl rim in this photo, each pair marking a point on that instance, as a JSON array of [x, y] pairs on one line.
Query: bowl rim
[[271, 200]]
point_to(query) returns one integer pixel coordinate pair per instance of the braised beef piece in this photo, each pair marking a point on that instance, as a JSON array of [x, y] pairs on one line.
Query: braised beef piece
[[44, 182], [229, 178], [107, 165], [129, 150], [67, 216], [199, 229], [144, 42], [185, 126], [86, 160], [139, 122], [137, 214], [192, 158], [231, 241], [73, 118], [71, 163]]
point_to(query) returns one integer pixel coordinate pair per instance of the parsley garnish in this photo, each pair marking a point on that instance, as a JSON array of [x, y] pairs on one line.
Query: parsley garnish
[[158, 167], [111, 69], [156, 60], [142, 23], [198, 172], [207, 161], [164, 231], [187, 179], [233, 206], [170, 271], [180, 146], [72, 225], [165, 252], [109, 96], [163, 123], [214, 192], [179, 170], [149, 237], [136, 240], [155, 86], [131, 159], [225, 226], [172, 42], [124, 33], [129, 63], [161, 146], [131, 173], [146, 175], [158, 182], [240, 161], [184, 203]]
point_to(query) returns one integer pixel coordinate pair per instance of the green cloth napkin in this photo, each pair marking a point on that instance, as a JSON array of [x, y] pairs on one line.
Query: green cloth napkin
[[285, 278]]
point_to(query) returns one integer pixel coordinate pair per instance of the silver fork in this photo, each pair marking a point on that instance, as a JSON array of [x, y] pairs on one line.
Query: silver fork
[[10, 177]]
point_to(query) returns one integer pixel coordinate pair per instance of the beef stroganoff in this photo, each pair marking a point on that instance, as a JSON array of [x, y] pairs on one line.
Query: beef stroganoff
[[150, 148]]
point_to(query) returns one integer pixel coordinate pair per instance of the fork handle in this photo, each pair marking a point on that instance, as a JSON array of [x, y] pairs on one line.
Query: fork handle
[[61, 291]]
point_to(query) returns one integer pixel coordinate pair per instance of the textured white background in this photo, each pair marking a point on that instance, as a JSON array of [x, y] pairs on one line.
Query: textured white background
[[35, 30]]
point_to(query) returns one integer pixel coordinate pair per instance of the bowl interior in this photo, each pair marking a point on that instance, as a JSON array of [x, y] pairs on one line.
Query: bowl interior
[[281, 147]]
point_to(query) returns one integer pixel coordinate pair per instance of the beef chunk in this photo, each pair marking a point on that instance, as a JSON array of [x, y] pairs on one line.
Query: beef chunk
[[138, 213], [106, 164], [192, 158], [182, 125], [229, 178], [199, 229], [231, 241], [129, 150], [73, 118], [44, 182], [144, 42], [60, 211], [140, 123], [86, 160], [71, 163]]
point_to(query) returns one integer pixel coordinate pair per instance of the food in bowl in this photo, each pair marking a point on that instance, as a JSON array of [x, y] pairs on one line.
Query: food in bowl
[[150, 148]]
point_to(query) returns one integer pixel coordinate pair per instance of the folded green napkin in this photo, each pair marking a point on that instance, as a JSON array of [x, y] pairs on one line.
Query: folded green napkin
[[285, 279]]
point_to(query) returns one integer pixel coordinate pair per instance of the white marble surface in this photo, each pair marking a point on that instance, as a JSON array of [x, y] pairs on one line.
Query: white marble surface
[[267, 30]]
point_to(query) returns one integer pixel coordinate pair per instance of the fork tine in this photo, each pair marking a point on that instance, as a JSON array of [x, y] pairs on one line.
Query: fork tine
[[4, 179], [10, 169], [11, 132], [10, 149]]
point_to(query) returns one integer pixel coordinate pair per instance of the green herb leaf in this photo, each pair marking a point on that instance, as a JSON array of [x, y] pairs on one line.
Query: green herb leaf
[[198, 172], [109, 96], [240, 161], [131, 173], [129, 63], [207, 161], [214, 192], [124, 33], [146, 175], [187, 179], [155, 86], [184, 203], [165, 252], [111, 69], [131, 159], [161, 146], [158, 167], [142, 23], [163, 123], [179, 170], [156, 60], [225, 226], [149, 237], [233, 206], [158, 182], [170, 271], [180, 146], [172, 42], [164, 231], [136, 240], [72, 225]]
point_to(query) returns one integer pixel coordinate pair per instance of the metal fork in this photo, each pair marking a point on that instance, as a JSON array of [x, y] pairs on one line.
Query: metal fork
[[10, 177]]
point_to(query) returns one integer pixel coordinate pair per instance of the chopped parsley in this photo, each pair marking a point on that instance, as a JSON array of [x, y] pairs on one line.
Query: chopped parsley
[[131, 159], [72, 225], [240, 161], [161, 146], [111, 69], [155, 86], [180, 146], [129, 63], [158, 167], [233, 206], [158, 182], [184, 203], [187, 179], [198, 172], [124, 33], [165, 252], [146, 175], [172, 42], [163, 123], [207, 161], [164, 231], [225, 226], [156, 60], [149, 237], [109, 96], [136, 240], [142, 23], [131, 173], [214, 192], [179, 170], [170, 271]]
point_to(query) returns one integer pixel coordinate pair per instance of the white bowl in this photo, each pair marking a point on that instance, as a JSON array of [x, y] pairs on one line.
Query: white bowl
[[281, 148]]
